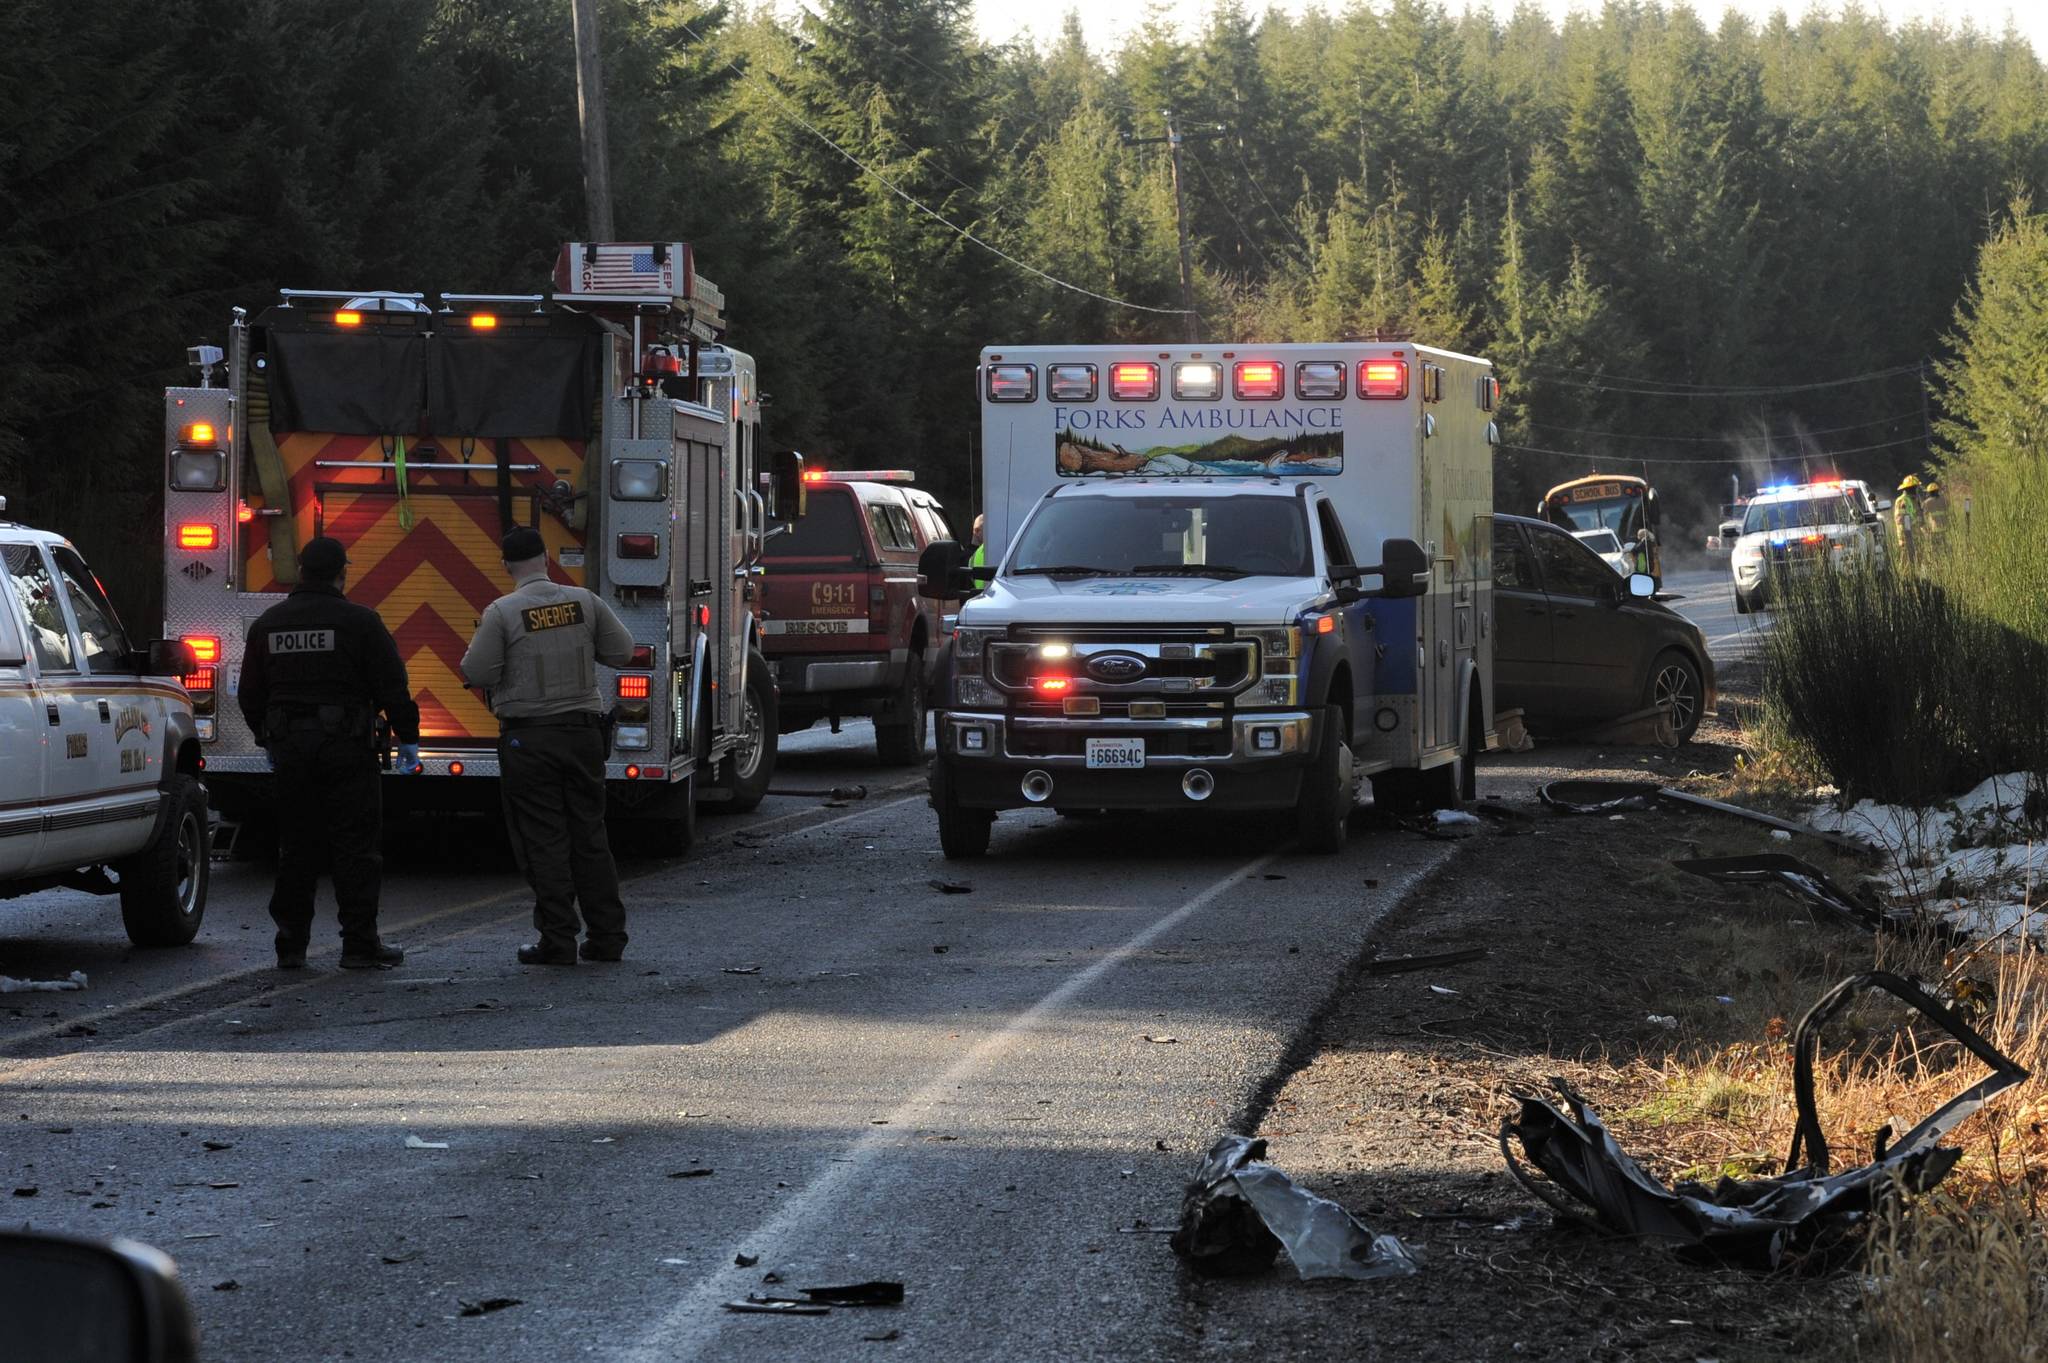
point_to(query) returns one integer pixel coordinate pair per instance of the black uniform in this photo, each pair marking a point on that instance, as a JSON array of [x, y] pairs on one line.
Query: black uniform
[[317, 670]]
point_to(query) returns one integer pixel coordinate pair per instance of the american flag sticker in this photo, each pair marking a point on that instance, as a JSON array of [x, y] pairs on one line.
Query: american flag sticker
[[623, 268]]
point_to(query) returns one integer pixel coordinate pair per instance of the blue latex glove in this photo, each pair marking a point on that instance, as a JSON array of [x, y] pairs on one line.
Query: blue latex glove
[[409, 758]]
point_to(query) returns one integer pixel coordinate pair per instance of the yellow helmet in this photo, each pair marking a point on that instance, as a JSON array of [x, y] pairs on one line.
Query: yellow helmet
[[1910, 480]]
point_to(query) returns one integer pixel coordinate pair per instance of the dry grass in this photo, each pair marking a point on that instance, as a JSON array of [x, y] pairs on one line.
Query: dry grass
[[1958, 1284]]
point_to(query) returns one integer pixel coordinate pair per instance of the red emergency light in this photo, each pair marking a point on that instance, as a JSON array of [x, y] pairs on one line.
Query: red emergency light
[[704, 621], [1134, 381], [455, 769], [205, 647], [195, 535], [244, 513], [815, 476], [1258, 380], [639, 546], [200, 679], [1383, 379], [633, 686], [1054, 685]]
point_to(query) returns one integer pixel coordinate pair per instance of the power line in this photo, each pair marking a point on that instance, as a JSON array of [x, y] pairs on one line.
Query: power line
[[1723, 439], [1641, 387], [910, 199], [1729, 459], [1307, 256], [1224, 204]]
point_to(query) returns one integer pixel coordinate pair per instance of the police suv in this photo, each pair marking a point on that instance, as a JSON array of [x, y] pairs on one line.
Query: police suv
[[1793, 530], [100, 784]]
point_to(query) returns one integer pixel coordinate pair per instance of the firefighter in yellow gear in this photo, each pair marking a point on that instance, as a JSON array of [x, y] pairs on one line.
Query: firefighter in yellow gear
[[1906, 515]]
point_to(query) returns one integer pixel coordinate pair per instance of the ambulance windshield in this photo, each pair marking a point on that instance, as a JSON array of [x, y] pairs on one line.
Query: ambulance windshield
[[1223, 536]]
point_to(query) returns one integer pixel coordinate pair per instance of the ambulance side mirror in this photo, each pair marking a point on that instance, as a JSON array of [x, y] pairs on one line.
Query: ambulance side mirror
[[787, 469], [171, 658], [69, 1297], [1403, 569], [942, 571]]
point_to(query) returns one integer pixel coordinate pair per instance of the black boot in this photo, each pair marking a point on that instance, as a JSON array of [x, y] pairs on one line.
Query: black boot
[[539, 953], [375, 955]]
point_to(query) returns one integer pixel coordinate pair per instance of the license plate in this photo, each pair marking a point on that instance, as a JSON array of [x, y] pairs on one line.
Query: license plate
[[1109, 754]]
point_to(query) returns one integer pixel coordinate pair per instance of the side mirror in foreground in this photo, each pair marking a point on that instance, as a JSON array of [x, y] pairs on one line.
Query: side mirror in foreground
[[70, 1300], [1642, 586], [1403, 569]]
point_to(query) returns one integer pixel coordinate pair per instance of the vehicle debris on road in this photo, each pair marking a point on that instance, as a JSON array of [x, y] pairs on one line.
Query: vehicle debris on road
[[1605, 797], [1804, 1217], [877, 1293], [487, 1305], [1393, 965], [1805, 880], [415, 1143], [10, 985], [1238, 1213]]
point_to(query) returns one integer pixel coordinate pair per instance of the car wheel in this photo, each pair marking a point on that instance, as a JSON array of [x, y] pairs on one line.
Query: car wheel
[[163, 887], [1674, 685], [1326, 789], [899, 740], [1744, 602], [1456, 781], [963, 833]]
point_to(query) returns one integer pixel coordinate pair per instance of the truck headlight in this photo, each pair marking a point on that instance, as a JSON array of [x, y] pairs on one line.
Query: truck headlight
[[975, 693], [1747, 554], [970, 646], [1278, 649]]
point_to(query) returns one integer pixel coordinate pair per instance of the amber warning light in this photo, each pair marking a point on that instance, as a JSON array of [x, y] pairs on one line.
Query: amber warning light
[[196, 433], [483, 321], [348, 319]]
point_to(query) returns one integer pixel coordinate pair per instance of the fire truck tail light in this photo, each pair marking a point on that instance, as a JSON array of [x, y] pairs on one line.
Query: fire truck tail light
[[244, 513], [633, 686], [639, 546], [703, 617], [1134, 382], [455, 769], [1258, 381], [632, 773], [205, 647], [1319, 380], [1383, 379], [348, 319], [483, 321], [643, 656], [200, 680], [196, 535]]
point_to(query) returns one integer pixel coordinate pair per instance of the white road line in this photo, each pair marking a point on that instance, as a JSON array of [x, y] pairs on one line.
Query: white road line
[[690, 1326], [13, 1070]]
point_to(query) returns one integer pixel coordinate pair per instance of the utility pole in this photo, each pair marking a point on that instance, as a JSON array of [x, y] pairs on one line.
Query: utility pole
[[597, 173], [1173, 139]]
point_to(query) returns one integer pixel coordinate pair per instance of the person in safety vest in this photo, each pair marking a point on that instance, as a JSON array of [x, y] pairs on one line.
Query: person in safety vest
[[535, 655], [317, 670], [979, 559]]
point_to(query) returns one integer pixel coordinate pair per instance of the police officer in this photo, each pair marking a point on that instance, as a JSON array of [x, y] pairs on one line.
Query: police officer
[[536, 653], [317, 670]]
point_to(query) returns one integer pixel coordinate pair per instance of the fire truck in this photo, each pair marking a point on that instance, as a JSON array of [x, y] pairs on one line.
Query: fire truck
[[604, 413]]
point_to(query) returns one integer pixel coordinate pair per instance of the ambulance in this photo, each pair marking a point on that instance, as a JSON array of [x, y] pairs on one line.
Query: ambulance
[[604, 413], [1236, 578]]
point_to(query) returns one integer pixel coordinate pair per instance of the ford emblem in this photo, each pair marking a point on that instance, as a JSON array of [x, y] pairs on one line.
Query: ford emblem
[[1116, 667]]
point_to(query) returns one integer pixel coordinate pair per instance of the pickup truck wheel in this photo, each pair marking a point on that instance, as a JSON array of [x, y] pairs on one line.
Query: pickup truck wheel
[[1325, 805], [899, 740], [963, 833], [752, 764], [1674, 684], [163, 887], [1745, 602]]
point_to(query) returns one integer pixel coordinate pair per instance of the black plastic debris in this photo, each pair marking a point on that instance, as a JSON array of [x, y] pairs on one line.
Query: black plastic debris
[[1805, 1218], [486, 1306], [1238, 1214], [1598, 797], [1607, 797], [1802, 878], [857, 1294]]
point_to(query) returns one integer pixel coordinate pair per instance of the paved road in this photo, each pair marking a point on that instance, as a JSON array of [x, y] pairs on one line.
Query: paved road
[[1709, 602], [979, 1094]]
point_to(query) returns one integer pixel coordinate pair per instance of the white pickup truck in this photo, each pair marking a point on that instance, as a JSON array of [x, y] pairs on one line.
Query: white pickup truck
[[100, 785]]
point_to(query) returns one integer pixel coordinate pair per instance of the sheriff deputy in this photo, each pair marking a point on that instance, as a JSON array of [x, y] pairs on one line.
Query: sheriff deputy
[[535, 655], [317, 670]]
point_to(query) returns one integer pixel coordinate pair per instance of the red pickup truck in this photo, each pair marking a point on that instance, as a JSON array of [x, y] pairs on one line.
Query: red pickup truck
[[846, 630]]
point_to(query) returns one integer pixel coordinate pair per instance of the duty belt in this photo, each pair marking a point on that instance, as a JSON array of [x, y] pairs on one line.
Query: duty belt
[[567, 719]]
